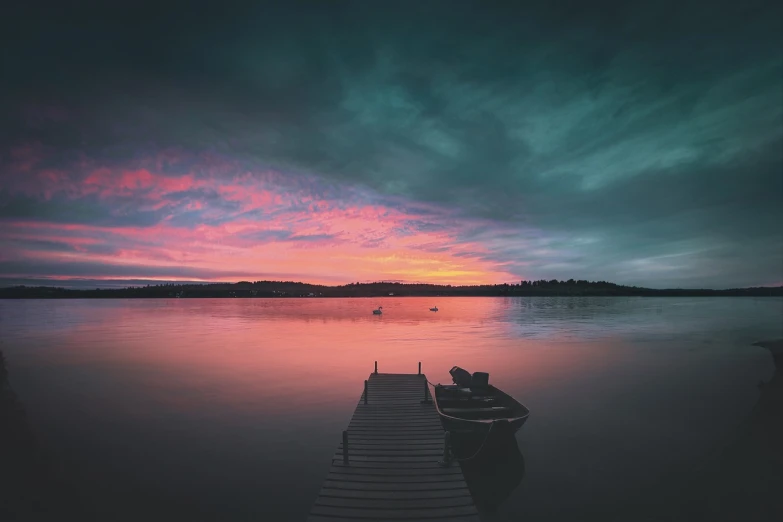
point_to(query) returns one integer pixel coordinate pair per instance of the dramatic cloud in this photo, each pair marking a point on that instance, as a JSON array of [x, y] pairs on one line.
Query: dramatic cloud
[[448, 142]]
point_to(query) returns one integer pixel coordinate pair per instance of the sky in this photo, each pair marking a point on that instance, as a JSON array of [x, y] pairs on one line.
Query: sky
[[446, 142]]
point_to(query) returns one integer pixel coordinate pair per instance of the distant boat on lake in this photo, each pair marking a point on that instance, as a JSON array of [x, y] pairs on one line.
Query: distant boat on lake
[[378, 311], [434, 309]]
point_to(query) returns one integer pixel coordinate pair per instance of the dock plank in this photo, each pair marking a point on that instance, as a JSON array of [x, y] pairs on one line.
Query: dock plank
[[391, 452], [395, 443], [400, 514], [394, 503], [342, 481], [333, 491], [319, 518], [356, 470]]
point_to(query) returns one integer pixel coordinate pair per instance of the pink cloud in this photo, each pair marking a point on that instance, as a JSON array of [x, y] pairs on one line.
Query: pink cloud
[[247, 224], [139, 183]]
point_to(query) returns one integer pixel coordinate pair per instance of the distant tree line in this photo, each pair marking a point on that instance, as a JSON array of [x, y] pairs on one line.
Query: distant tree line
[[280, 289]]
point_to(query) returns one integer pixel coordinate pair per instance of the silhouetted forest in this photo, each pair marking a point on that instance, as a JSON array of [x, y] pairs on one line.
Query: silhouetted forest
[[295, 289]]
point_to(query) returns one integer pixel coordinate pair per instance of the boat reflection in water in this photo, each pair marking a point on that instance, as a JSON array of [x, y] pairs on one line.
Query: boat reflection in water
[[480, 421], [492, 470]]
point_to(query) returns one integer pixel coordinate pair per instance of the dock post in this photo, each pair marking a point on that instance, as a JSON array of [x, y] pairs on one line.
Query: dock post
[[419, 367], [376, 366], [446, 449], [345, 447], [426, 393], [365, 391]]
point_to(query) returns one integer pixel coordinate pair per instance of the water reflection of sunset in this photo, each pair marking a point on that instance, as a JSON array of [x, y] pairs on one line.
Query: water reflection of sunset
[[185, 394], [308, 355], [302, 354]]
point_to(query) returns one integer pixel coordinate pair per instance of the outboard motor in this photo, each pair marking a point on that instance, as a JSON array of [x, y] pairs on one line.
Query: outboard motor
[[479, 381], [460, 377]]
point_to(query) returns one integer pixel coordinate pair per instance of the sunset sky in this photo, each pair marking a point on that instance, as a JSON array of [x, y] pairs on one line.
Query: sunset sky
[[443, 142]]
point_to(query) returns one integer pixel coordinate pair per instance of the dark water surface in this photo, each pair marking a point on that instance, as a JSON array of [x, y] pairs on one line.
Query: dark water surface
[[231, 409]]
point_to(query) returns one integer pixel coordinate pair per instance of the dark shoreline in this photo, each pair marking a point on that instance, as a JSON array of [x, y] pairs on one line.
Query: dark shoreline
[[277, 289]]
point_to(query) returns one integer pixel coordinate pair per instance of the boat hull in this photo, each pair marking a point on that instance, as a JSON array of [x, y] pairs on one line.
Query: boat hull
[[469, 414], [466, 427]]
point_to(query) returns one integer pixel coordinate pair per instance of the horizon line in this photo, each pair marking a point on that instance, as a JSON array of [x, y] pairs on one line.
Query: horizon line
[[133, 283]]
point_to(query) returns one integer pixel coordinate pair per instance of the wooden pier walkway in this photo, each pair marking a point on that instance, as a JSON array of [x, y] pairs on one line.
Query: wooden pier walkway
[[391, 472]]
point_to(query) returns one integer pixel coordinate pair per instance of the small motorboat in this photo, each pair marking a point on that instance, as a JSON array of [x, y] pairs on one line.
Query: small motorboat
[[471, 405], [434, 309], [378, 311]]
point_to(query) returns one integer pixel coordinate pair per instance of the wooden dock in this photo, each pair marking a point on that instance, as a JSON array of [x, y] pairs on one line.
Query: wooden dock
[[391, 470]]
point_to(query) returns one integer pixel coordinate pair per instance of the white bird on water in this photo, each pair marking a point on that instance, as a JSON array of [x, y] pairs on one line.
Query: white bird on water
[[378, 311], [434, 309]]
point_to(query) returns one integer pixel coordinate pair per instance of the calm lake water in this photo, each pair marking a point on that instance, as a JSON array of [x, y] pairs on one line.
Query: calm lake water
[[231, 409]]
